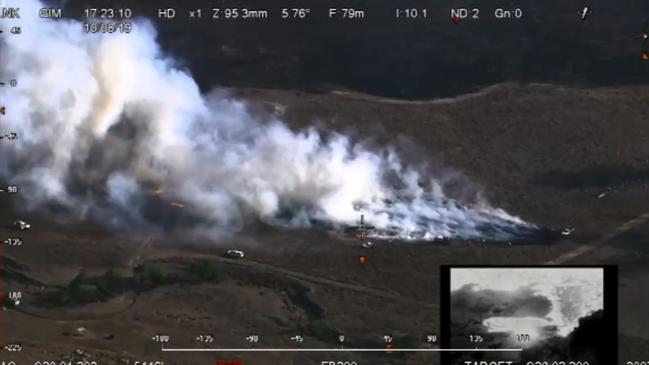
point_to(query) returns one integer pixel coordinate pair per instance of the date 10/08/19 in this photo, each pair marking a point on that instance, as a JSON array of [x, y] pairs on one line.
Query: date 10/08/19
[[108, 27]]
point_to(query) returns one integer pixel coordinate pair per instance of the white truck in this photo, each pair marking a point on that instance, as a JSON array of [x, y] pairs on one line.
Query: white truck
[[235, 254]]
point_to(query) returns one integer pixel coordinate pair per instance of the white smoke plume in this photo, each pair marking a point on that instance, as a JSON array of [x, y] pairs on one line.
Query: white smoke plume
[[108, 127]]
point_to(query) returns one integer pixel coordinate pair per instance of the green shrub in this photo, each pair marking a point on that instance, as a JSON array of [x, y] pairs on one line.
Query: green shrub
[[108, 283], [318, 328], [149, 276], [76, 292], [204, 270]]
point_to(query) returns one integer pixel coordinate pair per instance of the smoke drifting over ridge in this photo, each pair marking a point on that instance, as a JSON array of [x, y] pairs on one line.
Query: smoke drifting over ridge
[[108, 126]]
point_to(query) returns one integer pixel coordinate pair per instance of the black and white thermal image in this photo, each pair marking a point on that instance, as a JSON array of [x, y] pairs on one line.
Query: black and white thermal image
[[532, 313]]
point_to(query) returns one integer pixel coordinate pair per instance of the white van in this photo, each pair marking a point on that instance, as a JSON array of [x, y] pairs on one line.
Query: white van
[[235, 254]]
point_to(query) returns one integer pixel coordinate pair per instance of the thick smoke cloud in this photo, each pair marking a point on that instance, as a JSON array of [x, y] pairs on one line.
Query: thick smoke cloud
[[109, 128]]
